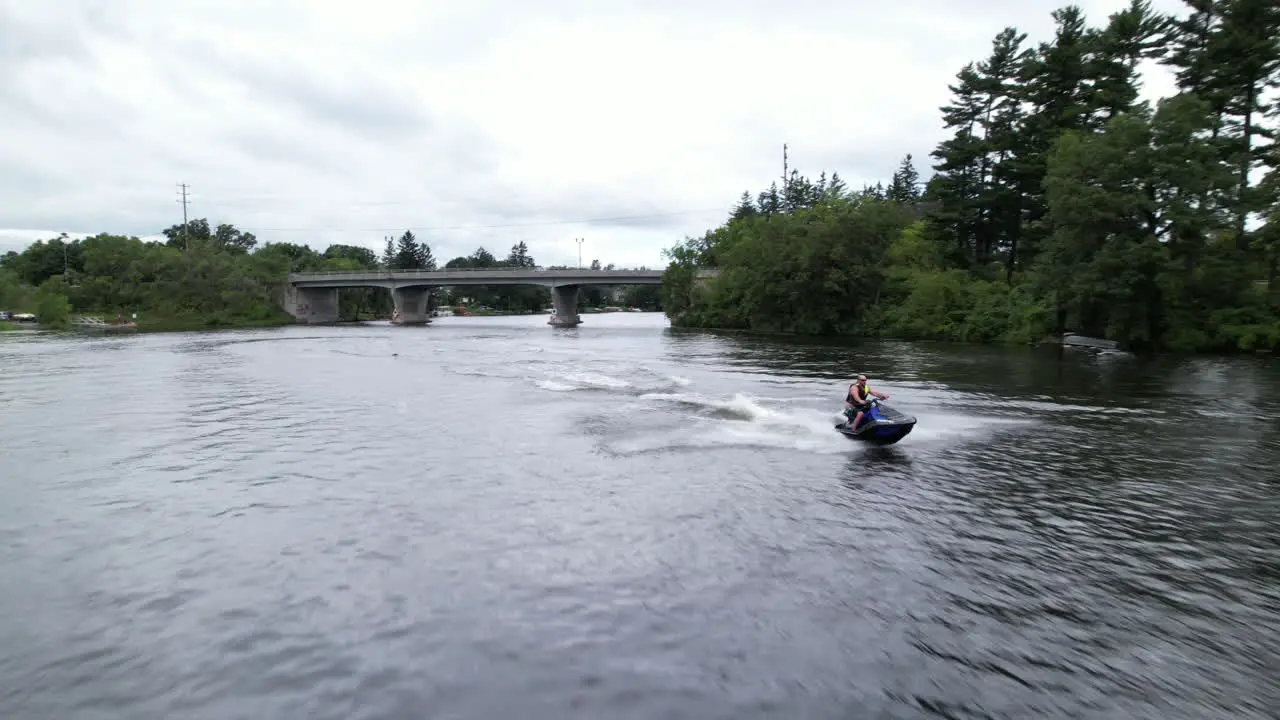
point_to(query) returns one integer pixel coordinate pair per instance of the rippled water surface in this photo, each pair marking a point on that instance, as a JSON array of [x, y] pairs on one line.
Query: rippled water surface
[[488, 518]]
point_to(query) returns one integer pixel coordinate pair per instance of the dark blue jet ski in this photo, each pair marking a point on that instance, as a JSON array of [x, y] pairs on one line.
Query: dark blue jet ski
[[881, 425]]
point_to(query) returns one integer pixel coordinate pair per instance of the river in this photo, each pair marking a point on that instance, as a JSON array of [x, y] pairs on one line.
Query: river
[[489, 518]]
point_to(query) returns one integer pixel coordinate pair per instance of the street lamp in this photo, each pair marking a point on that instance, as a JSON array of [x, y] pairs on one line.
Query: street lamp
[[579, 241]]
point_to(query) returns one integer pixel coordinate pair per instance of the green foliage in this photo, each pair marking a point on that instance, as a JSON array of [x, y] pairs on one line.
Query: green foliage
[[644, 297], [530, 298], [814, 270], [212, 278], [53, 310], [1059, 203], [411, 255], [905, 185], [356, 256], [196, 234], [507, 298], [15, 295], [195, 279]]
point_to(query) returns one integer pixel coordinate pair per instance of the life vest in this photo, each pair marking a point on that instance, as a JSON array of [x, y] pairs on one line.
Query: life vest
[[866, 395]]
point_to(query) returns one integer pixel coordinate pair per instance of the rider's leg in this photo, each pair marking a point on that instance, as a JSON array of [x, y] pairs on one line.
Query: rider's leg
[[854, 426]]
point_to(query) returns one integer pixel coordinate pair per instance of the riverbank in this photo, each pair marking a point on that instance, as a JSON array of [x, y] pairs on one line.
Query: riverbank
[[190, 323], [153, 323], [1068, 340]]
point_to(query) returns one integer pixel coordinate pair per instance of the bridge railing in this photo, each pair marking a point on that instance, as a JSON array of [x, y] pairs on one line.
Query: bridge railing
[[415, 271], [529, 273]]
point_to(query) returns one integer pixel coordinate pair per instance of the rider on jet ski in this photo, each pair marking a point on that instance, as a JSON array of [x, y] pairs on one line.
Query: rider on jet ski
[[859, 398]]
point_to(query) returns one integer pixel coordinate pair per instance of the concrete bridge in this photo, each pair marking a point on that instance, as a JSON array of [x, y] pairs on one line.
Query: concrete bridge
[[312, 298]]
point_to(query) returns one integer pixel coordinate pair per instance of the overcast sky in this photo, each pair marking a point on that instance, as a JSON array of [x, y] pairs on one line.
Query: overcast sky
[[627, 123]]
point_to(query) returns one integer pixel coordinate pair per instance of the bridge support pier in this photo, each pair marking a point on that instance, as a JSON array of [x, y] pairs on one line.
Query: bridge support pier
[[410, 305], [564, 299], [312, 306]]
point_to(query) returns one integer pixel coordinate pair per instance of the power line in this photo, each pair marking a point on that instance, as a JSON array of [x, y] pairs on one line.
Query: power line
[[419, 228]]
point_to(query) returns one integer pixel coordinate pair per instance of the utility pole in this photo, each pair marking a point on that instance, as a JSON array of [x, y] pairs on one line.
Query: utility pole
[[579, 241], [784, 166], [186, 239]]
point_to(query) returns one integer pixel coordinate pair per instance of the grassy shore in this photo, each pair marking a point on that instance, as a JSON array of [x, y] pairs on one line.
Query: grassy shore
[[188, 323]]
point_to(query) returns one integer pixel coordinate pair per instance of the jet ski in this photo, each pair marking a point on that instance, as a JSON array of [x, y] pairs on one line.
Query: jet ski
[[881, 425]]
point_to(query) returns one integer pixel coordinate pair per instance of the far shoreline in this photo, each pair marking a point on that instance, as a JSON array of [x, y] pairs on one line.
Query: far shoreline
[[1050, 342], [216, 324]]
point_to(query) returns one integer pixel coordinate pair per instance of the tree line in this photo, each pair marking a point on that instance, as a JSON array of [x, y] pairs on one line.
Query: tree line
[[1058, 203], [204, 276]]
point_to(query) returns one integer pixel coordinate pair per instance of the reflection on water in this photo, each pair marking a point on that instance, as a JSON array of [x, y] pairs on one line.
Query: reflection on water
[[488, 518]]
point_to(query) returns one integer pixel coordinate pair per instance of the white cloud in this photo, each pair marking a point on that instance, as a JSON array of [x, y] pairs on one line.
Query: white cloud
[[488, 123]]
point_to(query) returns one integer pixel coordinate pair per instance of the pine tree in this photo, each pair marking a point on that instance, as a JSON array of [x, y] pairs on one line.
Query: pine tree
[[410, 255], [519, 256], [426, 259], [799, 193], [955, 185], [745, 208], [1267, 239], [1132, 35], [389, 255], [905, 185], [820, 188], [1188, 42], [769, 202], [975, 190], [1055, 87], [1188, 185], [836, 188], [1245, 66], [1192, 44], [482, 258]]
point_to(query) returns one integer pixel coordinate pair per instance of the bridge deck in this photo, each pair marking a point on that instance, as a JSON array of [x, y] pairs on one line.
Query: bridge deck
[[478, 276]]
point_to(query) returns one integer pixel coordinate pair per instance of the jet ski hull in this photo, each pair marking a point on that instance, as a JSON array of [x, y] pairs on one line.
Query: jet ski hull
[[880, 425]]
